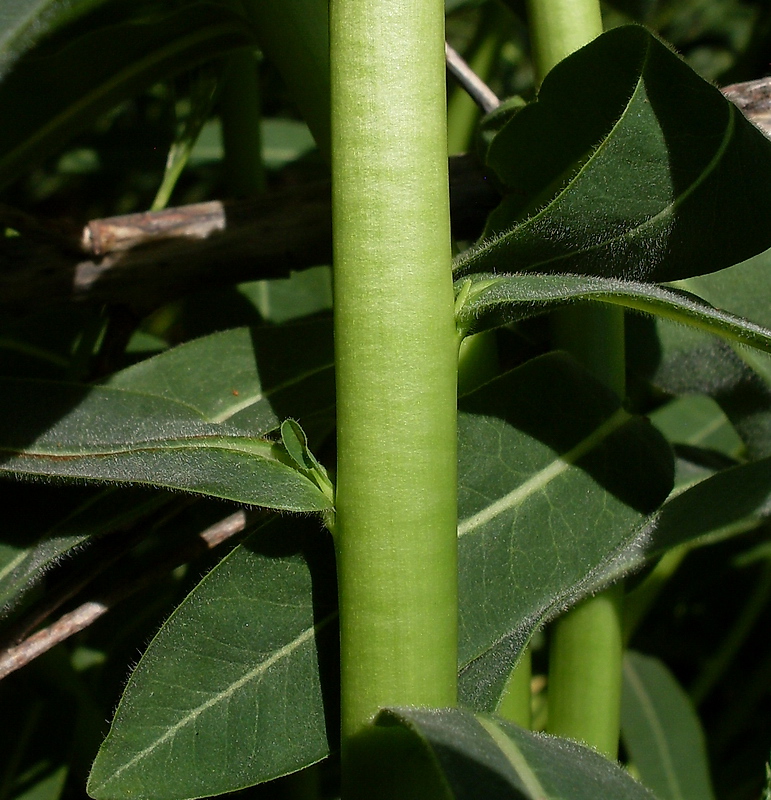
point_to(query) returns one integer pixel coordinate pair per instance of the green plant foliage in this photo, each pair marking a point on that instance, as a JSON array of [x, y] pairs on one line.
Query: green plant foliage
[[494, 300], [99, 69], [542, 506], [23, 22], [662, 733], [615, 177], [480, 756], [227, 694], [115, 436], [46, 542], [251, 378]]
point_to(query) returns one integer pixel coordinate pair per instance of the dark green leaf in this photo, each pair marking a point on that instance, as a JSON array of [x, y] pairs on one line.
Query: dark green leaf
[[23, 22], [649, 173], [494, 300], [251, 378], [480, 756], [46, 542], [554, 478], [229, 693], [734, 499], [56, 95], [65, 430], [661, 732]]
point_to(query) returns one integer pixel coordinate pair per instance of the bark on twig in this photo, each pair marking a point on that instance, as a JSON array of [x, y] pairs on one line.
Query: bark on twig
[[144, 260], [15, 657]]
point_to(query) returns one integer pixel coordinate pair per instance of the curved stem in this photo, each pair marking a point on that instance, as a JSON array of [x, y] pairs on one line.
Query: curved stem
[[396, 367]]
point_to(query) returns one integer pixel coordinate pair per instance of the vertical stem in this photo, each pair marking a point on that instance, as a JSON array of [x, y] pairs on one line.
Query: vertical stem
[[240, 114], [294, 35], [559, 28], [586, 645], [396, 366], [516, 700]]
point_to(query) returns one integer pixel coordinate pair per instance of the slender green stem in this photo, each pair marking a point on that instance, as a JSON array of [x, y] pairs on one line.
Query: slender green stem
[[396, 365], [240, 114], [294, 35], [560, 27], [585, 654], [587, 643], [515, 701], [717, 665]]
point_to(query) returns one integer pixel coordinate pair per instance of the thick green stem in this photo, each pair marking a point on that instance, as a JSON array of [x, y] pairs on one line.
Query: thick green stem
[[586, 644], [396, 364], [559, 28]]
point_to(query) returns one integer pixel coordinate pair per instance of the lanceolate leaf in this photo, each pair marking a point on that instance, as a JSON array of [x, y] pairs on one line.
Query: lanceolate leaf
[[494, 300], [480, 756], [649, 173], [662, 733], [253, 378], [732, 500], [229, 693], [99, 69], [51, 429], [554, 478], [23, 22], [41, 543]]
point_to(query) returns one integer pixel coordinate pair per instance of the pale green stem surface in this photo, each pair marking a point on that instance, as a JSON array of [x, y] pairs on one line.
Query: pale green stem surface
[[585, 654], [586, 645], [396, 365]]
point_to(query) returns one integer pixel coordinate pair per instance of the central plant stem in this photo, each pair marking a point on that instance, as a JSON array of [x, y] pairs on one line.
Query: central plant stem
[[396, 361]]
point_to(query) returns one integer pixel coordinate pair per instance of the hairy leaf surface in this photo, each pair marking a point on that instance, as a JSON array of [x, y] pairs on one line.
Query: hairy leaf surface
[[481, 756], [229, 693], [650, 173]]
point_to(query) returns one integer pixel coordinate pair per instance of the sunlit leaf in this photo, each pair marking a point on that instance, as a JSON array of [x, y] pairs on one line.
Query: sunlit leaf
[[650, 173], [494, 300], [554, 478], [229, 693]]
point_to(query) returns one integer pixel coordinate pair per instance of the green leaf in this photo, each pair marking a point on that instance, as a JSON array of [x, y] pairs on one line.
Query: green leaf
[[53, 429], [681, 361], [100, 68], [229, 693], [662, 733], [731, 501], [24, 22], [649, 173], [696, 421], [46, 541], [251, 378], [495, 300], [554, 478], [481, 756]]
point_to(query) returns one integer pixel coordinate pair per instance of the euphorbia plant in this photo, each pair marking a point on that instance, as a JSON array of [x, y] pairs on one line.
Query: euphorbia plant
[[446, 548]]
